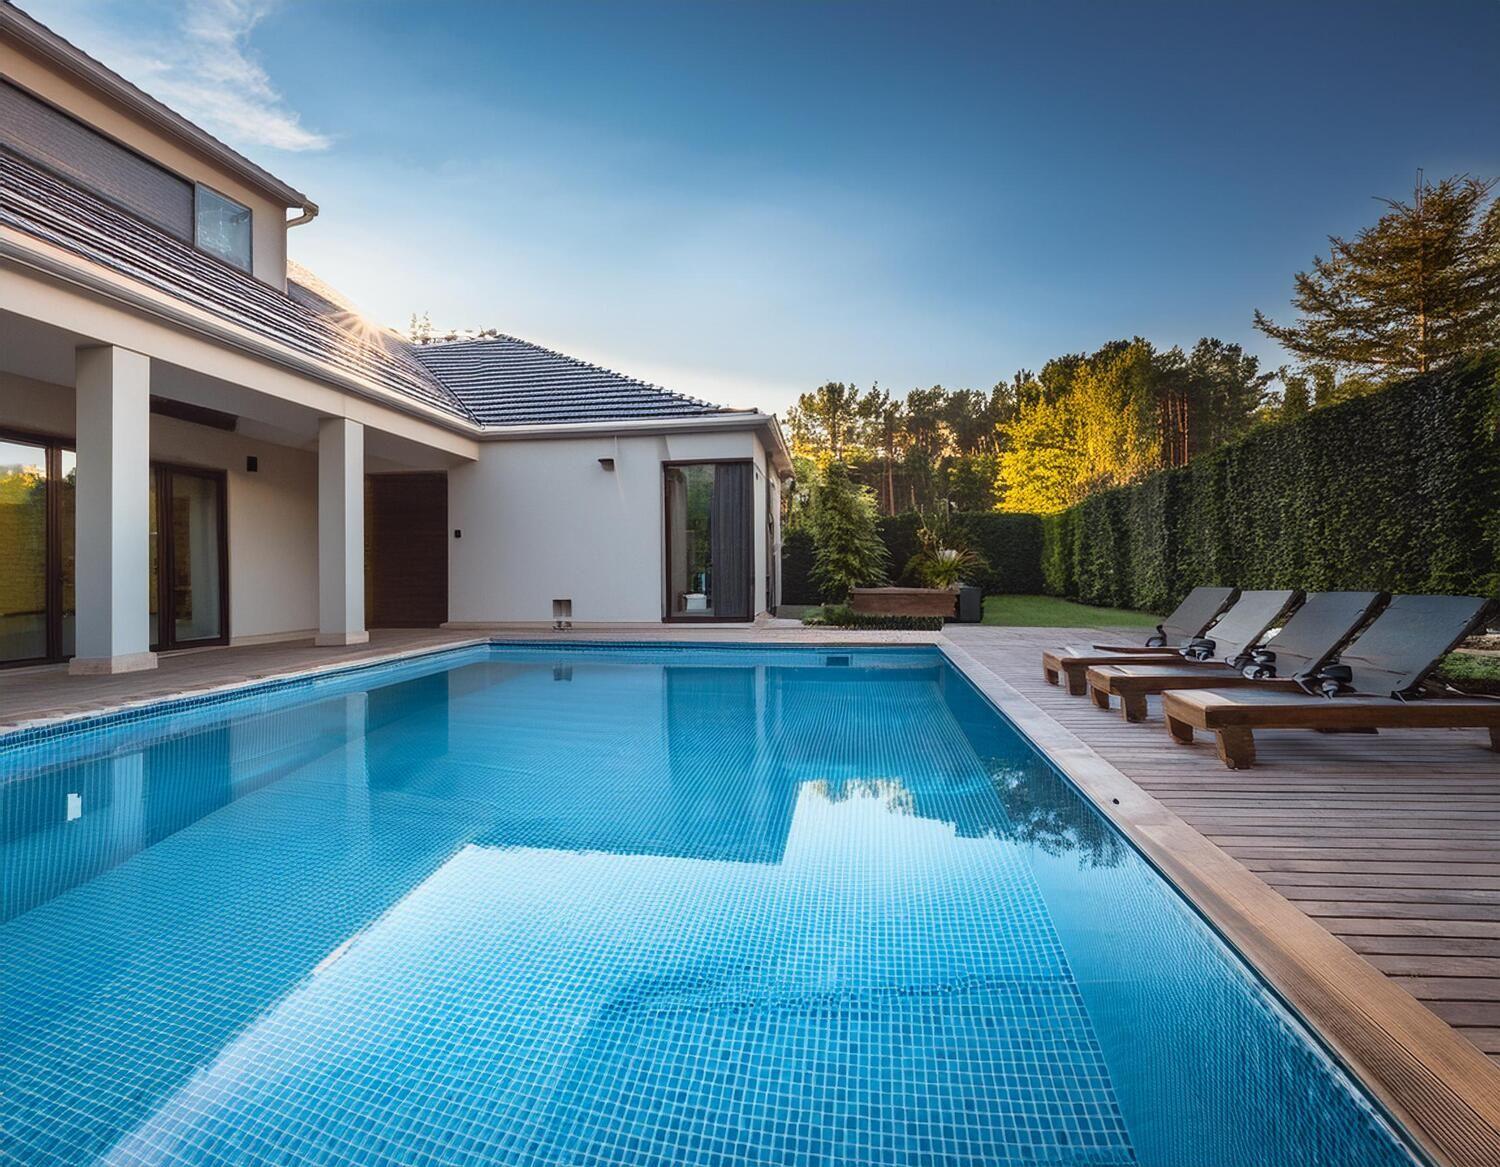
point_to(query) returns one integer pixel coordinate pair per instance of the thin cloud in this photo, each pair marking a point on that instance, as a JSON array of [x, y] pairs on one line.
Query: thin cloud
[[204, 67]]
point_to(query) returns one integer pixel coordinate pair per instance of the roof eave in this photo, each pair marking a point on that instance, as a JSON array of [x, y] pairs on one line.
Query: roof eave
[[729, 421], [73, 60]]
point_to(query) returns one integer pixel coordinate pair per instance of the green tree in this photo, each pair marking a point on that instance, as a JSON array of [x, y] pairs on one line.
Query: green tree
[[887, 433], [826, 423], [847, 549], [924, 420], [1041, 470], [1418, 291], [1295, 400]]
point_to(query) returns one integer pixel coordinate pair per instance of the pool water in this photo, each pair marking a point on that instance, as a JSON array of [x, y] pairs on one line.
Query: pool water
[[583, 905]]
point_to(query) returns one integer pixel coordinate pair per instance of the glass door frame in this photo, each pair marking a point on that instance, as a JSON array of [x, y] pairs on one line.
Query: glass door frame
[[52, 567], [162, 474], [668, 617]]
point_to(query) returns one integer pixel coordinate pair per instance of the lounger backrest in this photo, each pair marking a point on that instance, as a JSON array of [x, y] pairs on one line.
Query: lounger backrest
[[1196, 613], [1404, 643], [1316, 630], [1241, 628]]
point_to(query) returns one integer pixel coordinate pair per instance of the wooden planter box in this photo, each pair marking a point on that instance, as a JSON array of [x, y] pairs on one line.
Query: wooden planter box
[[905, 601]]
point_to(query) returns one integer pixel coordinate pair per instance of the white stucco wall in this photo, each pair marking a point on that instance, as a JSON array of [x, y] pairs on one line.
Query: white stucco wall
[[541, 520]]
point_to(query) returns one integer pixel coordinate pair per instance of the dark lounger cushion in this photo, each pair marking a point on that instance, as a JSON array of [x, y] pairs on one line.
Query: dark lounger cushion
[[1405, 642]]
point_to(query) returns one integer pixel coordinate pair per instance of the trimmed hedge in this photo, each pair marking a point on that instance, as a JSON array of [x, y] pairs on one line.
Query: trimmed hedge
[[899, 533], [1399, 491], [797, 586], [1011, 546], [843, 616]]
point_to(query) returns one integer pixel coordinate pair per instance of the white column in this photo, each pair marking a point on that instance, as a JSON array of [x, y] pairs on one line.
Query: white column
[[341, 532], [112, 528]]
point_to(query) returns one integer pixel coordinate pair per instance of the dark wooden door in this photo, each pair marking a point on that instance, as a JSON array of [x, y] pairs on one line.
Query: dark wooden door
[[406, 550]]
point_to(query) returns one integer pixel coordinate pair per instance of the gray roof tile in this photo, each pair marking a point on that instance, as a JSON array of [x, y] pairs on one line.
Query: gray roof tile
[[506, 381], [500, 381], [39, 203]]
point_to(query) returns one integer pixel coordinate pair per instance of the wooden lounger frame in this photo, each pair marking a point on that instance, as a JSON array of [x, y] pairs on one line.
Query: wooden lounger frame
[[1074, 663], [1106, 681], [1233, 722]]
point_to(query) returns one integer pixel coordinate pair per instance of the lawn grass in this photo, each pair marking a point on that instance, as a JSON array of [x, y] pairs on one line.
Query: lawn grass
[[1473, 672], [1052, 612]]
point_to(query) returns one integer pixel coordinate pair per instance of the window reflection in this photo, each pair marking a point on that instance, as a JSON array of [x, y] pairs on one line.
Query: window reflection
[[23, 566], [222, 227]]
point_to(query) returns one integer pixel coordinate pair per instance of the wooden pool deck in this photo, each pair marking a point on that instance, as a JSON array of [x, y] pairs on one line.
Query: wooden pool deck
[[1360, 874], [1391, 843]]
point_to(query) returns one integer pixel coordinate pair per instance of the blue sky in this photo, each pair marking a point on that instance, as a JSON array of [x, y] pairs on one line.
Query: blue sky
[[744, 200]]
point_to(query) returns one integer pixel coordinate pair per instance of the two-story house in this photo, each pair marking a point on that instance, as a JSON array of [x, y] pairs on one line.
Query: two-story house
[[201, 444]]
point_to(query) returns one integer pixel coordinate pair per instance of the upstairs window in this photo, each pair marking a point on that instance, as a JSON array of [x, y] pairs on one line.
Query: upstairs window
[[221, 227]]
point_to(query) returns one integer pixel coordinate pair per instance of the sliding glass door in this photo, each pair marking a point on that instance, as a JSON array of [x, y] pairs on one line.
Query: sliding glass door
[[25, 536], [188, 562], [710, 558], [38, 613]]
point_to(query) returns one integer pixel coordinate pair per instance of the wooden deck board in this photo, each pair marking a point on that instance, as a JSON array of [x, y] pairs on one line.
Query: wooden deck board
[[1390, 841]]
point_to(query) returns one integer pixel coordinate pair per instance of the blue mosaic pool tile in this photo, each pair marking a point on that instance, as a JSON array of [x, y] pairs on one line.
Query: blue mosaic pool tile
[[594, 906]]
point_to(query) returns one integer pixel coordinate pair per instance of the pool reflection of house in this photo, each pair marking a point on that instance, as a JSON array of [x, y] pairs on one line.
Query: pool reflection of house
[[602, 912], [201, 443]]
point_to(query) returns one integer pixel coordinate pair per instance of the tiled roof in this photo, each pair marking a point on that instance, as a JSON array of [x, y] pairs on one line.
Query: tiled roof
[[36, 202], [505, 381], [497, 382]]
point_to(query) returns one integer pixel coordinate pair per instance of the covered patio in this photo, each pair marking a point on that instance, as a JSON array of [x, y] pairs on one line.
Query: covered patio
[[180, 494]]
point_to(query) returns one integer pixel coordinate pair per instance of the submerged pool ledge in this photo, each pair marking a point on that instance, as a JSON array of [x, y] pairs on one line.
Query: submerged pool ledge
[[1442, 1089]]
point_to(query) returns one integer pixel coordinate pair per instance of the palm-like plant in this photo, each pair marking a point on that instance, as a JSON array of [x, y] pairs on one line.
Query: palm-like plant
[[946, 567], [943, 561]]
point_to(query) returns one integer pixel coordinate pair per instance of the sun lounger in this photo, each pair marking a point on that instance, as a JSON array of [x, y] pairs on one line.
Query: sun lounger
[[1375, 685], [1190, 620], [1307, 641]]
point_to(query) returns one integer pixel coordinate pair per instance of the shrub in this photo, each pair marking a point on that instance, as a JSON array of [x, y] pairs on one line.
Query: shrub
[[843, 616], [1012, 547], [797, 586], [899, 534], [847, 550]]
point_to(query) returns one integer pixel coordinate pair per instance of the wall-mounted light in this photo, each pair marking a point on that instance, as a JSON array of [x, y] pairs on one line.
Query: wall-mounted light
[[607, 463]]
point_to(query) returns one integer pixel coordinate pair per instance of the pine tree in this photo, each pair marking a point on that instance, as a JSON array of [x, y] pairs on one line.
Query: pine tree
[[828, 420], [847, 549], [1416, 292]]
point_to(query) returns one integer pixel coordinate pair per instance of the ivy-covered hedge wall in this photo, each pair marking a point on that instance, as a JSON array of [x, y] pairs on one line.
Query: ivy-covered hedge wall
[[1399, 490]]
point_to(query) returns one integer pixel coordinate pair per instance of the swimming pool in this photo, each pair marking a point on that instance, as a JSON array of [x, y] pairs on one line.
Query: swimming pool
[[606, 905]]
